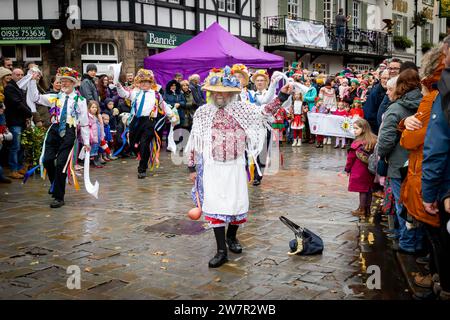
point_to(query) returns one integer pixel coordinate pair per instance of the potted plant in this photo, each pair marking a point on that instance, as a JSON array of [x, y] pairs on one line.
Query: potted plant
[[419, 19], [426, 46], [402, 42]]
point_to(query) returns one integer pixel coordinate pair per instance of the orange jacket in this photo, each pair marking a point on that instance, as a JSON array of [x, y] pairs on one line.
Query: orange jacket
[[413, 141]]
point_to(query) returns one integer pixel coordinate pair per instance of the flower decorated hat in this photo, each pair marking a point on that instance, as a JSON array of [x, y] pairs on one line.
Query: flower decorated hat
[[242, 69], [68, 73], [259, 73], [144, 75], [221, 80]]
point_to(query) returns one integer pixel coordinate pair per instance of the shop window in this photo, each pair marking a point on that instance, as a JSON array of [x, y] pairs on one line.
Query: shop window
[[98, 51], [8, 52], [32, 53]]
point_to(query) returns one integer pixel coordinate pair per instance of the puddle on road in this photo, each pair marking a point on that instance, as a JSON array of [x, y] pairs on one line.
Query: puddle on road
[[177, 227]]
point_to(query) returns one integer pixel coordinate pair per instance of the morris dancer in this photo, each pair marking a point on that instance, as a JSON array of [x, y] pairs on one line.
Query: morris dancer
[[68, 110], [221, 133], [261, 96], [148, 110]]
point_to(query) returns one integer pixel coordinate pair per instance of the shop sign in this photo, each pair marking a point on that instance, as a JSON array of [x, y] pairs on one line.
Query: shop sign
[[400, 6], [158, 39], [24, 34]]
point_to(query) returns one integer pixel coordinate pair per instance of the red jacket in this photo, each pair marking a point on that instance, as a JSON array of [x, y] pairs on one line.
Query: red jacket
[[343, 113]]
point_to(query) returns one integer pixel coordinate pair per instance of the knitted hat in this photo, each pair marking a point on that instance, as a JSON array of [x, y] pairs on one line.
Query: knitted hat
[[144, 75], [357, 100], [108, 100], [91, 67], [242, 69], [220, 80], [68, 73], [4, 72], [354, 80], [259, 73]]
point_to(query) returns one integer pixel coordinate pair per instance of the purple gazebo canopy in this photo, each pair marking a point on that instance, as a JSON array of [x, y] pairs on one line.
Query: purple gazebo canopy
[[214, 47]]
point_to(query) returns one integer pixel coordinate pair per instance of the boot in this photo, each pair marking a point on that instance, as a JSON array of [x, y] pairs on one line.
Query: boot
[[423, 281], [111, 157], [299, 142], [295, 143], [221, 256], [97, 162], [100, 158], [359, 212], [219, 259], [142, 175], [16, 175], [23, 170], [232, 241]]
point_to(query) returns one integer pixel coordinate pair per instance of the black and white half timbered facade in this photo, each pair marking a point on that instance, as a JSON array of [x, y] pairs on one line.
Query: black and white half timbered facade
[[77, 32]]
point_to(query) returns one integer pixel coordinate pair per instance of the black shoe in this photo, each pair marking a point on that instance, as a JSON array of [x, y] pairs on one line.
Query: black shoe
[[142, 175], [234, 245], [256, 182], [423, 260], [219, 259], [5, 180], [57, 204], [424, 295]]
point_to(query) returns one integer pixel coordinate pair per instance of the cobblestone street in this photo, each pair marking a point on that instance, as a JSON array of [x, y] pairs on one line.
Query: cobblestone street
[[136, 242]]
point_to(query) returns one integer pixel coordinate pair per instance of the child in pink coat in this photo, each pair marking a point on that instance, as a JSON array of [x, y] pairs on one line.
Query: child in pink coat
[[361, 180]]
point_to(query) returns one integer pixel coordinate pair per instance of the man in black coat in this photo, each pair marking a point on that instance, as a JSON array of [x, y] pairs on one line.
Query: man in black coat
[[374, 100], [17, 112]]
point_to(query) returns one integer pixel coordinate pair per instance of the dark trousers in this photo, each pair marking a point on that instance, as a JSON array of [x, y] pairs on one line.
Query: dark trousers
[[57, 151], [142, 132], [443, 253]]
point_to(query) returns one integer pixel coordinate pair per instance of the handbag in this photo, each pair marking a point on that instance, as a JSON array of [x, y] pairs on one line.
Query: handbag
[[306, 242], [373, 161]]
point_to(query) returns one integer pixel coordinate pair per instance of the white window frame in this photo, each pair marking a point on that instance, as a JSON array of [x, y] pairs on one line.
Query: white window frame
[[221, 5], [398, 27], [101, 56], [24, 50], [327, 12], [427, 33], [231, 6], [294, 8], [356, 14], [14, 59]]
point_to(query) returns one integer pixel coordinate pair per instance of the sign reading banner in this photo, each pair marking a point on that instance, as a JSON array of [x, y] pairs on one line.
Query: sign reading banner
[[444, 9], [15, 35], [303, 33], [157, 39], [330, 125]]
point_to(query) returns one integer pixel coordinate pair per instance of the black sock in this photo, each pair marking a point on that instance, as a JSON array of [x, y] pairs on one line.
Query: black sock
[[220, 238], [232, 231]]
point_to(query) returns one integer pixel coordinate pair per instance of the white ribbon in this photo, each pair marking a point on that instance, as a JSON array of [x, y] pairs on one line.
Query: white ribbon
[[171, 145], [91, 189], [277, 76]]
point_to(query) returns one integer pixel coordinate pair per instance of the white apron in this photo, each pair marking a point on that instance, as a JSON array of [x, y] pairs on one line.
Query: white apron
[[225, 187]]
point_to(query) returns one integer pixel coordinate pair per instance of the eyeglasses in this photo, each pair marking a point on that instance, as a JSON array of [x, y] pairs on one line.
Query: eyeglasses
[[393, 68]]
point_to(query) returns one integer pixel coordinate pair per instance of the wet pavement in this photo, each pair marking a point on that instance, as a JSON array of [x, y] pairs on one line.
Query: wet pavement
[[136, 242]]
